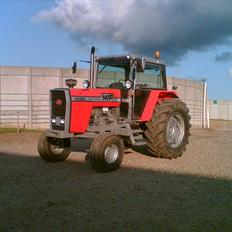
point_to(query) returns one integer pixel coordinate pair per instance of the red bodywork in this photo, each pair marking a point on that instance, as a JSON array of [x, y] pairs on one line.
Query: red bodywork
[[154, 97], [81, 109]]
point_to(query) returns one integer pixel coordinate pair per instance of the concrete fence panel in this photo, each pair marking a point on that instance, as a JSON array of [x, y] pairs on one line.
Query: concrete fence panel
[[220, 109], [191, 92]]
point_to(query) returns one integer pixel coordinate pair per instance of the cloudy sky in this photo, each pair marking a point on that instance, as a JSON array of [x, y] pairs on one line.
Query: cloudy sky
[[194, 36]]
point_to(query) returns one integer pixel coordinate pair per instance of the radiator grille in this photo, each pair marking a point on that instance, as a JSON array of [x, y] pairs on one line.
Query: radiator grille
[[58, 109]]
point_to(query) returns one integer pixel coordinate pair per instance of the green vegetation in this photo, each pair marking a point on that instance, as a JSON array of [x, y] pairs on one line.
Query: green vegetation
[[14, 130]]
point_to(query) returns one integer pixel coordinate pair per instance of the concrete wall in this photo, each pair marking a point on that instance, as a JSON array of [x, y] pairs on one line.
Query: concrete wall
[[220, 109], [24, 94], [191, 92]]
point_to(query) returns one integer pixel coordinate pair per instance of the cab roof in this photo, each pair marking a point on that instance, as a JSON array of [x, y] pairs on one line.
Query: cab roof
[[125, 59]]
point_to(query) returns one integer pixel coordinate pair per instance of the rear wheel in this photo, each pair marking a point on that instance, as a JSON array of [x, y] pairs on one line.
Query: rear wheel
[[53, 149], [106, 152], [167, 132]]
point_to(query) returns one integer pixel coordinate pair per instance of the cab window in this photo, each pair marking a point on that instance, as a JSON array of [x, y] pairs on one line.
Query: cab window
[[152, 77], [108, 75]]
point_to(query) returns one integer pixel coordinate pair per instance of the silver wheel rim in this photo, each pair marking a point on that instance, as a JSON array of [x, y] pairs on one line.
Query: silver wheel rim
[[111, 153], [175, 130], [56, 149]]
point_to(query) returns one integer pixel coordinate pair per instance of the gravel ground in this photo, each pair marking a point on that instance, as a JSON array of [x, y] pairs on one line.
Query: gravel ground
[[191, 193]]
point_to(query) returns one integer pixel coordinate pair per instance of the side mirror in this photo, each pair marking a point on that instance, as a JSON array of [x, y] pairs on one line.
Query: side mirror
[[141, 65], [74, 67]]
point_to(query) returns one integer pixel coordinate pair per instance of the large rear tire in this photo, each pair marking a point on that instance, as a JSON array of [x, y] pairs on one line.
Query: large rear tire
[[53, 149], [106, 152], [168, 130]]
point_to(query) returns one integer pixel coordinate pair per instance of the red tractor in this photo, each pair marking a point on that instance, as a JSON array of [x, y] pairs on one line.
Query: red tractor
[[125, 102]]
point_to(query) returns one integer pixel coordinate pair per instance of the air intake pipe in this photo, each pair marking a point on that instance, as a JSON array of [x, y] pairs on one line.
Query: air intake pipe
[[92, 65]]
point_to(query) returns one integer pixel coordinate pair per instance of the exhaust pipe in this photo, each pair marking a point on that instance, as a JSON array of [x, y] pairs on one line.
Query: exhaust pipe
[[92, 65]]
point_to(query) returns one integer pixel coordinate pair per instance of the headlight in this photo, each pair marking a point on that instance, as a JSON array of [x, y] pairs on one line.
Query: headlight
[[105, 110], [53, 120], [86, 84], [129, 84], [62, 121]]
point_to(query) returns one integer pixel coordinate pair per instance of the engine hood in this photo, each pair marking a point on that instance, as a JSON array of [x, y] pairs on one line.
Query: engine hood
[[95, 95]]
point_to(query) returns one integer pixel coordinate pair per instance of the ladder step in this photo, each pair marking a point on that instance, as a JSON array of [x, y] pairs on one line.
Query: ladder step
[[137, 141], [141, 143], [137, 131]]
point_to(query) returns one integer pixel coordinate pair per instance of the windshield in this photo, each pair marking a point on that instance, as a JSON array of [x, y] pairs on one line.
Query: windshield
[[108, 75], [112, 70]]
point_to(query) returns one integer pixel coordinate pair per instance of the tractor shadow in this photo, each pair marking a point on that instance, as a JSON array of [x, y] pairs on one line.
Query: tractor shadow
[[83, 145], [70, 196], [143, 150]]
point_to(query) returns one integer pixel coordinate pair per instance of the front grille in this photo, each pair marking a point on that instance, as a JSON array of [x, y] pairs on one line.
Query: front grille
[[58, 109]]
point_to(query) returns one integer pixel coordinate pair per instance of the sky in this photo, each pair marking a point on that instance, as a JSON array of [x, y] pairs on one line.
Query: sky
[[194, 36]]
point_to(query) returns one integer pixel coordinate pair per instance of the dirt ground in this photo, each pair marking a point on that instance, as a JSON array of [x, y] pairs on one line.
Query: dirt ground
[[191, 193]]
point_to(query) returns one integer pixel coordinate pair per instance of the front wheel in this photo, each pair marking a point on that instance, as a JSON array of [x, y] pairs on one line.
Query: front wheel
[[53, 149], [167, 132], [106, 152]]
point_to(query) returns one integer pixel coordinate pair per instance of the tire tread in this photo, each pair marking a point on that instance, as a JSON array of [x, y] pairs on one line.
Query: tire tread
[[155, 132]]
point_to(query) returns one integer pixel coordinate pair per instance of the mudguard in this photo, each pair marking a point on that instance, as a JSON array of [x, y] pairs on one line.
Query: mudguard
[[154, 97]]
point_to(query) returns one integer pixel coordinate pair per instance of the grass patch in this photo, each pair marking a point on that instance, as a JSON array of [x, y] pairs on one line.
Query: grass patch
[[14, 130]]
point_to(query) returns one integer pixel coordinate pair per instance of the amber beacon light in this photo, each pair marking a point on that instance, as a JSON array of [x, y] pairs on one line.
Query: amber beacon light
[[157, 54]]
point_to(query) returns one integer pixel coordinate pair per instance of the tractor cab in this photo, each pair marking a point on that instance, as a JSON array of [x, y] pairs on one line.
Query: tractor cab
[[135, 77]]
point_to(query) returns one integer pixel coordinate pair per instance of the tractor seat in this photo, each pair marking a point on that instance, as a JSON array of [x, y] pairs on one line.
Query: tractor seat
[[116, 85], [120, 86]]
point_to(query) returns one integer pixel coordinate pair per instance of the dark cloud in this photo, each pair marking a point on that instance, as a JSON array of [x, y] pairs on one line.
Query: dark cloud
[[173, 26], [224, 57]]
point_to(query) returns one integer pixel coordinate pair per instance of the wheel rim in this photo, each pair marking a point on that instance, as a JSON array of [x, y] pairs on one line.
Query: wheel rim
[[175, 130], [111, 153], [56, 149]]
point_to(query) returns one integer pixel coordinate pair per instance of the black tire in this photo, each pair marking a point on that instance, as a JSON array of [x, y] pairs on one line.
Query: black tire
[[158, 133], [98, 155], [47, 148]]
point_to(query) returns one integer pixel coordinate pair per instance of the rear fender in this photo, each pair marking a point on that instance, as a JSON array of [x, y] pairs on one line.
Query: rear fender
[[155, 97]]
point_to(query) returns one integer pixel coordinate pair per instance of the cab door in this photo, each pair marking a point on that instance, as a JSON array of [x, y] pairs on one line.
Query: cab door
[[153, 78], [141, 96]]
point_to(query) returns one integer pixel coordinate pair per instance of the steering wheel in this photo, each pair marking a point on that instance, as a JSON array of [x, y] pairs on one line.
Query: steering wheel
[[142, 85], [116, 85]]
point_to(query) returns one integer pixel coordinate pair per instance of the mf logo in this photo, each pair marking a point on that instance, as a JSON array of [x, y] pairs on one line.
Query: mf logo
[[107, 97], [58, 102]]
